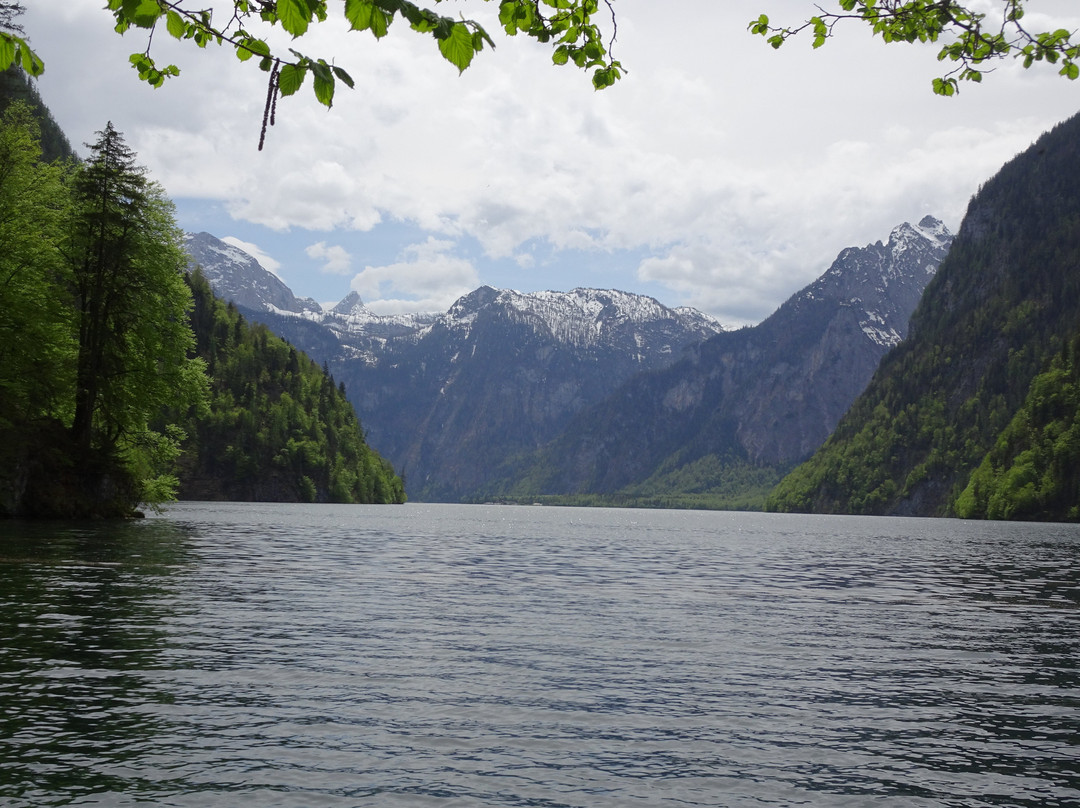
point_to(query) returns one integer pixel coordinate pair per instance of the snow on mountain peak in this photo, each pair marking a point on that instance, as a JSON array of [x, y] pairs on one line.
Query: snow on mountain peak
[[579, 317]]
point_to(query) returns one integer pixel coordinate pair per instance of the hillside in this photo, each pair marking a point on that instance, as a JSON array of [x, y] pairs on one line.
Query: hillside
[[446, 397], [719, 427], [15, 85], [276, 427], [1005, 302]]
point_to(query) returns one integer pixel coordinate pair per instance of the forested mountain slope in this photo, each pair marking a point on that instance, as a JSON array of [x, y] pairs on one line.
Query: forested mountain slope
[[1005, 302], [16, 86], [719, 427], [103, 381], [275, 428], [446, 397]]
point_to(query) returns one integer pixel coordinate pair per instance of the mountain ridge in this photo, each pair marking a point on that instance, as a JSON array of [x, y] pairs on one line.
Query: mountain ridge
[[743, 406], [1003, 305], [456, 400]]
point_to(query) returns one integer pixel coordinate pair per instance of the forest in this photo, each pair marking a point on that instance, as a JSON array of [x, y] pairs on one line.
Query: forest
[[123, 381], [971, 415]]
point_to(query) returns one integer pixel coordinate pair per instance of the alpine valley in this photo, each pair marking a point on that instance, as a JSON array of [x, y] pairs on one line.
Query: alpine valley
[[600, 395]]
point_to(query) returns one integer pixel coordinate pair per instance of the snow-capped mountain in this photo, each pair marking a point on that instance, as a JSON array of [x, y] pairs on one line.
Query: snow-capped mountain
[[448, 397], [745, 405], [885, 281], [237, 276], [445, 396]]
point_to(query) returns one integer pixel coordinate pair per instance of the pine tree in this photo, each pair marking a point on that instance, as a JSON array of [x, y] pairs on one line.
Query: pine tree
[[131, 305]]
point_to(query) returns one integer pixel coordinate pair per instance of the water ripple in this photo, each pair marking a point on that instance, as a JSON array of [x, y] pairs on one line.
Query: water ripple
[[254, 655]]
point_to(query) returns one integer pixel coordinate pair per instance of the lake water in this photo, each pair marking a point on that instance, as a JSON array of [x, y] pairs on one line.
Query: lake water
[[427, 655]]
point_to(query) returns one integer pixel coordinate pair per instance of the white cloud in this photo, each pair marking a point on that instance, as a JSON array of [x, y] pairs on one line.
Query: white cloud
[[337, 258], [428, 278], [266, 261], [742, 170]]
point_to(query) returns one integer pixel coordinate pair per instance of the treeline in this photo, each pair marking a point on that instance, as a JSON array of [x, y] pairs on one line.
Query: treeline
[[107, 392], [275, 427], [1033, 471], [94, 336], [971, 415]]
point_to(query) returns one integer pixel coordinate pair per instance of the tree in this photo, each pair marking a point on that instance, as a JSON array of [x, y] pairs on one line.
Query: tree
[[36, 349], [130, 305], [970, 38]]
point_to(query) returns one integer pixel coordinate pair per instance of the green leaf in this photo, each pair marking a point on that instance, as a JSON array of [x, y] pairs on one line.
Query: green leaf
[[458, 48], [249, 46], [143, 13], [324, 88], [760, 25], [945, 86], [7, 50], [344, 78], [175, 24], [294, 15], [30, 61], [364, 15], [290, 79]]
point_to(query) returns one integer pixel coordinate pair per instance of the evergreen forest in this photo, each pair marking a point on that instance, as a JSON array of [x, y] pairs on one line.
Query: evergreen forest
[[275, 427], [973, 415]]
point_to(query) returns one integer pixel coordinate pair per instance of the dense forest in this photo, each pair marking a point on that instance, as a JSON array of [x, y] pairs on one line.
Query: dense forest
[[122, 380], [972, 415], [275, 426]]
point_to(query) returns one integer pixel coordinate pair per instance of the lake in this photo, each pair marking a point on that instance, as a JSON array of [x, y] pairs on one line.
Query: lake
[[440, 655]]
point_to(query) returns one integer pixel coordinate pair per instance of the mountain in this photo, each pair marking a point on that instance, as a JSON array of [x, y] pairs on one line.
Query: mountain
[[982, 381], [236, 276], [502, 373], [722, 424], [445, 397], [15, 86], [275, 427]]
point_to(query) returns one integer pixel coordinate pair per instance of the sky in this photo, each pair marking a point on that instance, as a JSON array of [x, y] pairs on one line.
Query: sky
[[718, 173]]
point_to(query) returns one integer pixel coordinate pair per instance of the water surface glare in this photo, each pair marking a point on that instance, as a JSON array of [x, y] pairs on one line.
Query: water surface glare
[[430, 655]]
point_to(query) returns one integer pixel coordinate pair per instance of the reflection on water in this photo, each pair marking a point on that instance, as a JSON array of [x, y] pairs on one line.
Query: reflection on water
[[82, 609], [242, 655]]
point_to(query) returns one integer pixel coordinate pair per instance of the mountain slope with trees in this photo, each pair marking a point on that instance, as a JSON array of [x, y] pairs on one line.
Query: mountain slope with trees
[[275, 428], [103, 381], [980, 358], [719, 427]]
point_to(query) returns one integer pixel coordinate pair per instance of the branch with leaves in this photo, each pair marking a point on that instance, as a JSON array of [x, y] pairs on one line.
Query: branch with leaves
[[571, 26], [972, 40]]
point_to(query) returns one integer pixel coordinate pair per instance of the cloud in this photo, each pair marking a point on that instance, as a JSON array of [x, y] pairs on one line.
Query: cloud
[[428, 278], [266, 261], [338, 260], [741, 171]]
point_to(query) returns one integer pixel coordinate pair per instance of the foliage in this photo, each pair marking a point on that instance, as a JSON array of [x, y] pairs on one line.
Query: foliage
[[1033, 470], [96, 346], [569, 26], [95, 335], [970, 38], [275, 427], [37, 348], [1000, 308], [124, 262]]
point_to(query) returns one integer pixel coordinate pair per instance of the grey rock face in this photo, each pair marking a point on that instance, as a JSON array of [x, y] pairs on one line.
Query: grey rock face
[[766, 396]]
